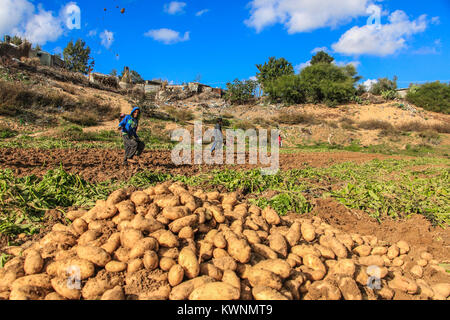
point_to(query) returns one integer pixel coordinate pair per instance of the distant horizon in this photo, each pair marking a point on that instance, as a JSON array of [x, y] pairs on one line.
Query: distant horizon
[[215, 43]]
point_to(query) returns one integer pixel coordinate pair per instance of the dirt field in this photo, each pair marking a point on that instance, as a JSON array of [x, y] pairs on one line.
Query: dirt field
[[98, 165]]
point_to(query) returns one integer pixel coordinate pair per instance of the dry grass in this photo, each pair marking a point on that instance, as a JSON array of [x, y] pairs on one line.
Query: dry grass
[[417, 126], [295, 118], [376, 125]]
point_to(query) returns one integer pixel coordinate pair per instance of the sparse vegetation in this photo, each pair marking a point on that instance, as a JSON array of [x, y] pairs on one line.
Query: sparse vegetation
[[433, 96]]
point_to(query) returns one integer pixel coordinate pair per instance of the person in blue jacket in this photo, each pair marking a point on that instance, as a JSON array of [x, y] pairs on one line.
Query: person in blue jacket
[[133, 145]]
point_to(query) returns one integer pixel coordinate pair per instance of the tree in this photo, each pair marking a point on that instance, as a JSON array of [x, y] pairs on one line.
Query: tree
[[321, 57], [136, 77], [241, 92], [287, 89], [273, 69], [16, 40], [384, 84], [38, 48], [76, 56]]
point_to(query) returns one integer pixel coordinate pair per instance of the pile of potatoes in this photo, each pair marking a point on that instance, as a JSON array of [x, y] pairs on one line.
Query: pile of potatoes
[[170, 242]]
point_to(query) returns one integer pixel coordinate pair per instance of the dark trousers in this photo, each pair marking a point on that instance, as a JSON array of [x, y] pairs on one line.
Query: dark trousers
[[132, 147]]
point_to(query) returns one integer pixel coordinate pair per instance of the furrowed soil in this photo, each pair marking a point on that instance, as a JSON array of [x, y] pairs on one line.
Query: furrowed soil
[[99, 165]]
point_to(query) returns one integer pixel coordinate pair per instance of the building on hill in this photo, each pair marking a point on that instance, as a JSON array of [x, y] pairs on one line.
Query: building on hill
[[402, 92]]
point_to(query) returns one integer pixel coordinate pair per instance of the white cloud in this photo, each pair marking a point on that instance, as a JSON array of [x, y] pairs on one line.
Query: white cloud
[[369, 83], [167, 36], [316, 50], [174, 7], [436, 20], [92, 33], [107, 38], [298, 68], [201, 12], [23, 19], [385, 40], [304, 15]]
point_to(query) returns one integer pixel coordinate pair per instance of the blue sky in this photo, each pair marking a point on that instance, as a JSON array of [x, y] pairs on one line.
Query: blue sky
[[223, 40]]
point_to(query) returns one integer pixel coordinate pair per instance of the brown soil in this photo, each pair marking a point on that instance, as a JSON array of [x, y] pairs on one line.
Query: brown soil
[[417, 230], [97, 165]]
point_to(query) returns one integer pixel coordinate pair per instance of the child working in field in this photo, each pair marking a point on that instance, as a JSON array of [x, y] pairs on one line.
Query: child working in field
[[132, 144]]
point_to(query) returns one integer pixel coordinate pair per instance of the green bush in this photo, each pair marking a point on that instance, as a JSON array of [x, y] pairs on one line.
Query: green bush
[[329, 83], [286, 89], [241, 92], [389, 94], [6, 132], [434, 96], [384, 84], [273, 69]]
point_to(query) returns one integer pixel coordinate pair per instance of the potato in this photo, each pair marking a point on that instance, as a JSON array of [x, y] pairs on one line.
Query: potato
[[294, 260], [79, 226], [54, 296], [161, 189], [215, 291], [230, 199], [167, 201], [114, 294], [251, 236], [303, 250], [33, 262], [165, 264], [209, 269], [176, 275], [35, 280], [326, 253], [417, 271], [264, 251], [126, 210], [117, 197], [225, 263], [293, 235], [379, 251], [239, 249], [209, 237], [183, 290], [217, 213], [60, 285], [231, 278], [186, 233], [115, 266], [143, 224], [129, 237], [262, 277], [27, 293], [206, 250], [74, 267], [95, 288], [88, 237], [363, 250], [165, 238], [96, 255], [267, 294], [188, 260], [372, 261], [404, 284], [122, 254], [271, 216], [332, 243], [140, 198], [112, 243], [346, 240], [142, 246], [219, 241], [318, 269], [107, 212], [151, 260], [179, 224], [174, 213], [308, 231], [60, 237], [403, 247], [75, 214], [344, 267], [323, 290], [441, 290], [134, 266], [280, 267], [278, 244]]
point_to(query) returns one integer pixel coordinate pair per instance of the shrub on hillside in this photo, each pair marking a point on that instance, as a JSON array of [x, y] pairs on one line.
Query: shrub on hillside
[[434, 96], [384, 84], [241, 92], [286, 89]]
